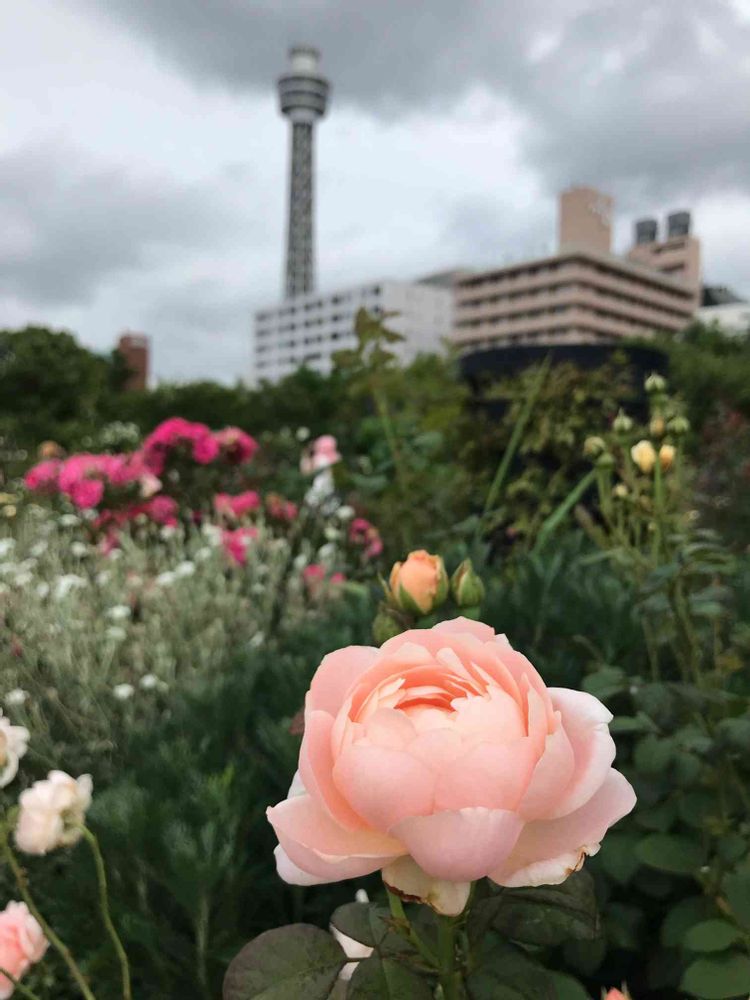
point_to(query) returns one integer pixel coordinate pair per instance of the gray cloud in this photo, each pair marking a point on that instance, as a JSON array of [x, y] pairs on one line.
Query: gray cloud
[[68, 226], [643, 98]]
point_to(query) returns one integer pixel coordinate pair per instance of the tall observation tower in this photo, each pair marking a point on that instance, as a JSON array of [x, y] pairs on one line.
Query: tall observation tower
[[303, 95]]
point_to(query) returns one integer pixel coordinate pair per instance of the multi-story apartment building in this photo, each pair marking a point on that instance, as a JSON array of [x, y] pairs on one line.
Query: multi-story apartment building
[[309, 329], [583, 293]]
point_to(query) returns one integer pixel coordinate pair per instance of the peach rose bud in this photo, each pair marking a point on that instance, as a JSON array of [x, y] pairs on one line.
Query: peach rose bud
[[22, 942], [420, 584], [666, 456], [616, 995], [644, 456]]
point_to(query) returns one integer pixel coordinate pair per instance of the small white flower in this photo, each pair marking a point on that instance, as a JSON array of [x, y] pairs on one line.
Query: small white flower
[[38, 548], [89, 514], [123, 691], [115, 555], [300, 562], [165, 579], [6, 545], [257, 640], [69, 520], [16, 697], [13, 745], [212, 533], [202, 554], [327, 552], [185, 568], [118, 613], [360, 896], [345, 513], [23, 579], [79, 549], [150, 682], [167, 531], [331, 533], [52, 812], [42, 590], [116, 633], [303, 433], [66, 583], [103, 577]]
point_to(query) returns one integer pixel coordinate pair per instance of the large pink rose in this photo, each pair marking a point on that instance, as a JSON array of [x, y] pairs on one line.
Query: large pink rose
[[22, 942], [440, 758]]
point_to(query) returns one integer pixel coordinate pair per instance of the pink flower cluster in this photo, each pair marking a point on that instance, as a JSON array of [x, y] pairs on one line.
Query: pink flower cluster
[[366, 536], [238, 505], [236, 542], [317, 581], [84, 478], [280, 509], [198, 441]]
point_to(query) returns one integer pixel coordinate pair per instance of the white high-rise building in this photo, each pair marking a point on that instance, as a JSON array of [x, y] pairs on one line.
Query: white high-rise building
[[309, 329]]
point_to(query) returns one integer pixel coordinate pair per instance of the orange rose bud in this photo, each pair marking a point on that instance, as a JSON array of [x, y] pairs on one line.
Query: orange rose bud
[[419, 584], [666, 456]]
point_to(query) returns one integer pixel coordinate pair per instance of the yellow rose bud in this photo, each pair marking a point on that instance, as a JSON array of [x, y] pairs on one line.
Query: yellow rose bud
[[419, 584], [644, 456], [657, 427], [666, 456]]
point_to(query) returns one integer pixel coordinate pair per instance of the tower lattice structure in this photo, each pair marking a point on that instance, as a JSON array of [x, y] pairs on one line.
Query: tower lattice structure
[[303, 96]]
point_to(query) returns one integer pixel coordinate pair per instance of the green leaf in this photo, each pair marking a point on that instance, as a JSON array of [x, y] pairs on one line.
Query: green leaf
[[737, 890], [711, 935], [718, 977], [385, 979], [682, 917], [605, 683], [370, 925], [508, 974], [295, 961], [670, 853], [639, 723], [653, 755], [617, 856], [567, 988], [542, 915]]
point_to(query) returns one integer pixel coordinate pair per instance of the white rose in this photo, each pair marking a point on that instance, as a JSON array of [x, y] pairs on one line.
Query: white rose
[[52, 812], [13, 745], [123, 691]]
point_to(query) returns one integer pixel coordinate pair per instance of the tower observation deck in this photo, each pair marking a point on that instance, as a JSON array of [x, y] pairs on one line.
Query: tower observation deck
[[303, 97]]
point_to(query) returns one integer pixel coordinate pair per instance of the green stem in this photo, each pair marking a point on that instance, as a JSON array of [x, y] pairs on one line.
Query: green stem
[[515, 439], [450, 977], [101, 877], [18, 985], [398, 914], [384, 413], [60, 947]]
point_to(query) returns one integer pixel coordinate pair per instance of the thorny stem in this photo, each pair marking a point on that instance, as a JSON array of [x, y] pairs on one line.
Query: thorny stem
[[60, 947], [101, 877], [398, 914]]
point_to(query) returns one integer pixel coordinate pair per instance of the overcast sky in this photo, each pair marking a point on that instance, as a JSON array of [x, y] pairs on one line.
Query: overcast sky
[[142, 156]]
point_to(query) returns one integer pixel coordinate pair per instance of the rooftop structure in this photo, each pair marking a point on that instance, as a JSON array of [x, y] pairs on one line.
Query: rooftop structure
[[581, 294]]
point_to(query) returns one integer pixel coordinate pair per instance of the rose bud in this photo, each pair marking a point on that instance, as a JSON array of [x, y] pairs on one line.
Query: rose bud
[[666, 456], [679, 425], [466, 586], [593, 446], [622, 423], [657, 427], [386, 625], [644, 456], [655, 383], [419, 584]]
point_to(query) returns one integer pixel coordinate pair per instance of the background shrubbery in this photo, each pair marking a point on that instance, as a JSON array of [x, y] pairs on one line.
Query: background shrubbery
[[185, 765]]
